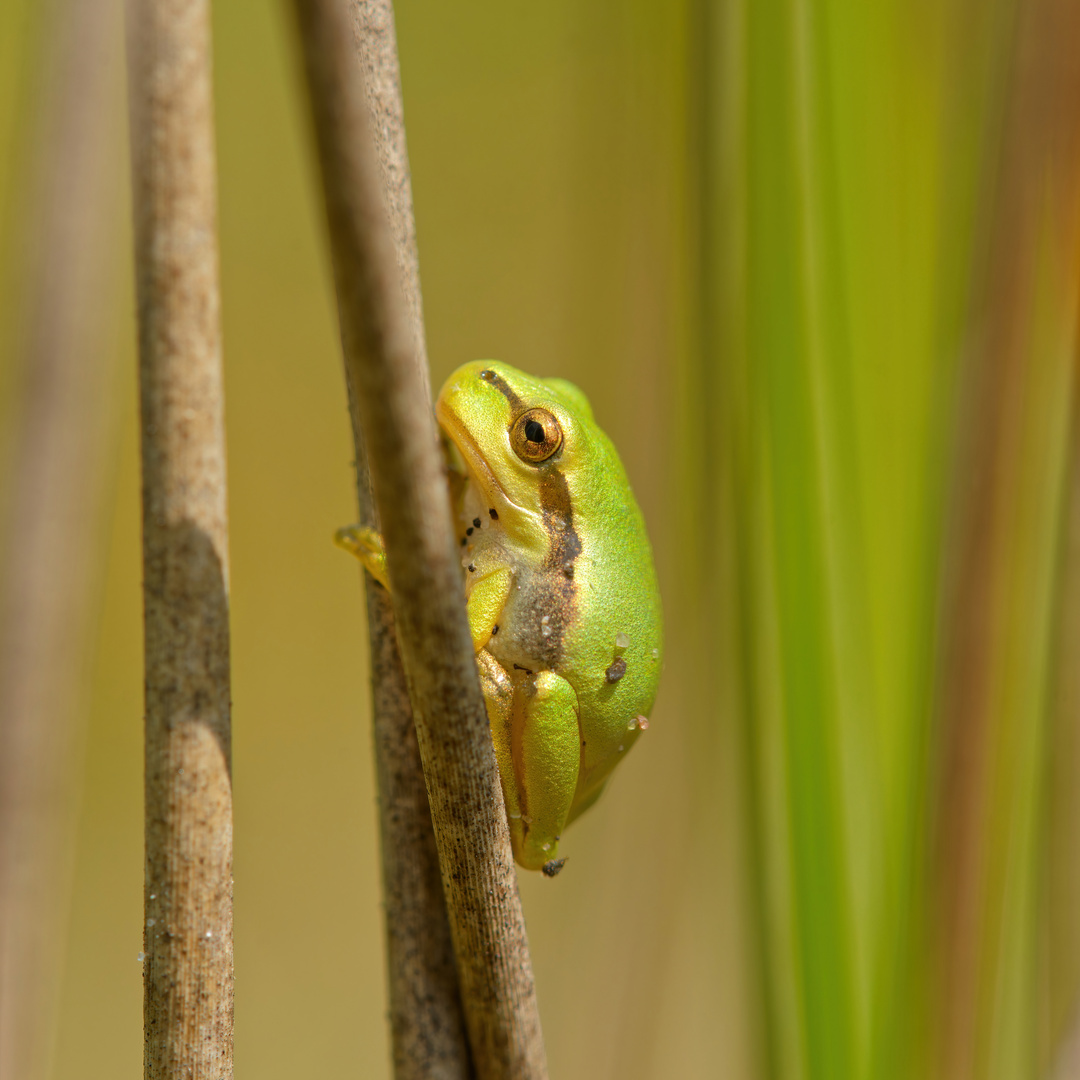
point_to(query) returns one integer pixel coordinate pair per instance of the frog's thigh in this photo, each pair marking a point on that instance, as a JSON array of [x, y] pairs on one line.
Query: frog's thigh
[[547, 753], [367, 545], [499, 698], [487, 598]]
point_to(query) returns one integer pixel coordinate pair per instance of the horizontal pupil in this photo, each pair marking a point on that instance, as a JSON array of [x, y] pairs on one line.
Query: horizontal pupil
[[534, 431]]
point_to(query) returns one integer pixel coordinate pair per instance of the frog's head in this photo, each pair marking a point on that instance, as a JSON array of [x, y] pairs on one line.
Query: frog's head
[[522, 439]]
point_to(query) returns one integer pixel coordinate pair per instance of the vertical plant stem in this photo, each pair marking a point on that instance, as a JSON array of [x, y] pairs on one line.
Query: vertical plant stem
[[427, 1025], [52, 518], [188, 952], [486, 922], [376, 46]]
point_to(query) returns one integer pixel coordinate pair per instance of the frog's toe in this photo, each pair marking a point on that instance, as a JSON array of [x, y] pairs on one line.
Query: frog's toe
[[367, 545], [357, 539], [531, 850]]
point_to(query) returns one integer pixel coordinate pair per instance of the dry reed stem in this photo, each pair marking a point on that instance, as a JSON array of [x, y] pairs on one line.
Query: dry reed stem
[[188, 973], [375, 41], [427, 1024], [52, 520], [486, 922]]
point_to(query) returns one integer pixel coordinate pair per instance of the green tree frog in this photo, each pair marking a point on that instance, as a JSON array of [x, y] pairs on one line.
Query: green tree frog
[[561, 593]]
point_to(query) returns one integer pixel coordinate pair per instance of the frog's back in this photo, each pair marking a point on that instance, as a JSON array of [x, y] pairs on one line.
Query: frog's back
[[615, 642]]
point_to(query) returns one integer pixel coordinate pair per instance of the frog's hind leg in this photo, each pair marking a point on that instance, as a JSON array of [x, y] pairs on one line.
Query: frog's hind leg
[[534, 726], [547, 753]]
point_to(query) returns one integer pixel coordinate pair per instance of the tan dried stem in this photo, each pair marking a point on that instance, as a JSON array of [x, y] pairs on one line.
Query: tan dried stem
[[52, 516], [487, 925], [188, 972], [427, 1024]]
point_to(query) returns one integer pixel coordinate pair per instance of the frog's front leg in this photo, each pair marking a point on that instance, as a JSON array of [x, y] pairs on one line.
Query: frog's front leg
[[367, 545], [487, 598], [487, 595]]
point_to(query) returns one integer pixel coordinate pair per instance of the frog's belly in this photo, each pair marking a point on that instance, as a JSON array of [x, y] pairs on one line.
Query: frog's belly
[[534, 624]]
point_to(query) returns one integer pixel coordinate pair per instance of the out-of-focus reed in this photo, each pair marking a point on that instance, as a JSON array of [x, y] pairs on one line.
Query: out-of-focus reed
[[890, 298]]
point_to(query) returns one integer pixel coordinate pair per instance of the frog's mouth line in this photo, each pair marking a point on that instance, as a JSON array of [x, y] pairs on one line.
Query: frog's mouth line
[[478, 468]]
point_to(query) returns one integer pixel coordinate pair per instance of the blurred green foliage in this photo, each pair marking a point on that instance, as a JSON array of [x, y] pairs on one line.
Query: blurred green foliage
[[763, 239]]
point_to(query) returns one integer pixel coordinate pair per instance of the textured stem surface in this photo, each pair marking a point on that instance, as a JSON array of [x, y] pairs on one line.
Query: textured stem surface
[[427, 1025], [410, 491], [188, 975]]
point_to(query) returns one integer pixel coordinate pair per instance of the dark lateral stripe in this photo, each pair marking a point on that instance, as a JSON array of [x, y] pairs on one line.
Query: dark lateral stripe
[[564, 545], [557, 582], [500, 384]]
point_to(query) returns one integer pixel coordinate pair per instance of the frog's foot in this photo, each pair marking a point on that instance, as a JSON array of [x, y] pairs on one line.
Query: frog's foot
[[367, 545]]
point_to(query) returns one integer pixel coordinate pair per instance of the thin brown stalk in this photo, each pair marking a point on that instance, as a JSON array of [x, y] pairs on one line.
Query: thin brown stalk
[[375, 40], [427, 1024], [52, 518], [188, 972], [486, 922]]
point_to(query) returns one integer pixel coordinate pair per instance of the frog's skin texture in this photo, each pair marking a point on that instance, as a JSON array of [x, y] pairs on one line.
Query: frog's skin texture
[[562, 598]]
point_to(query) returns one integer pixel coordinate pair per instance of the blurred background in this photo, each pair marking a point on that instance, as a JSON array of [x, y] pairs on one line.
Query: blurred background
[[815, 265]]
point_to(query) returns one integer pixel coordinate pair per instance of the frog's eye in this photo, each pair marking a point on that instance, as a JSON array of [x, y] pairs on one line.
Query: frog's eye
[[535, 436]]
